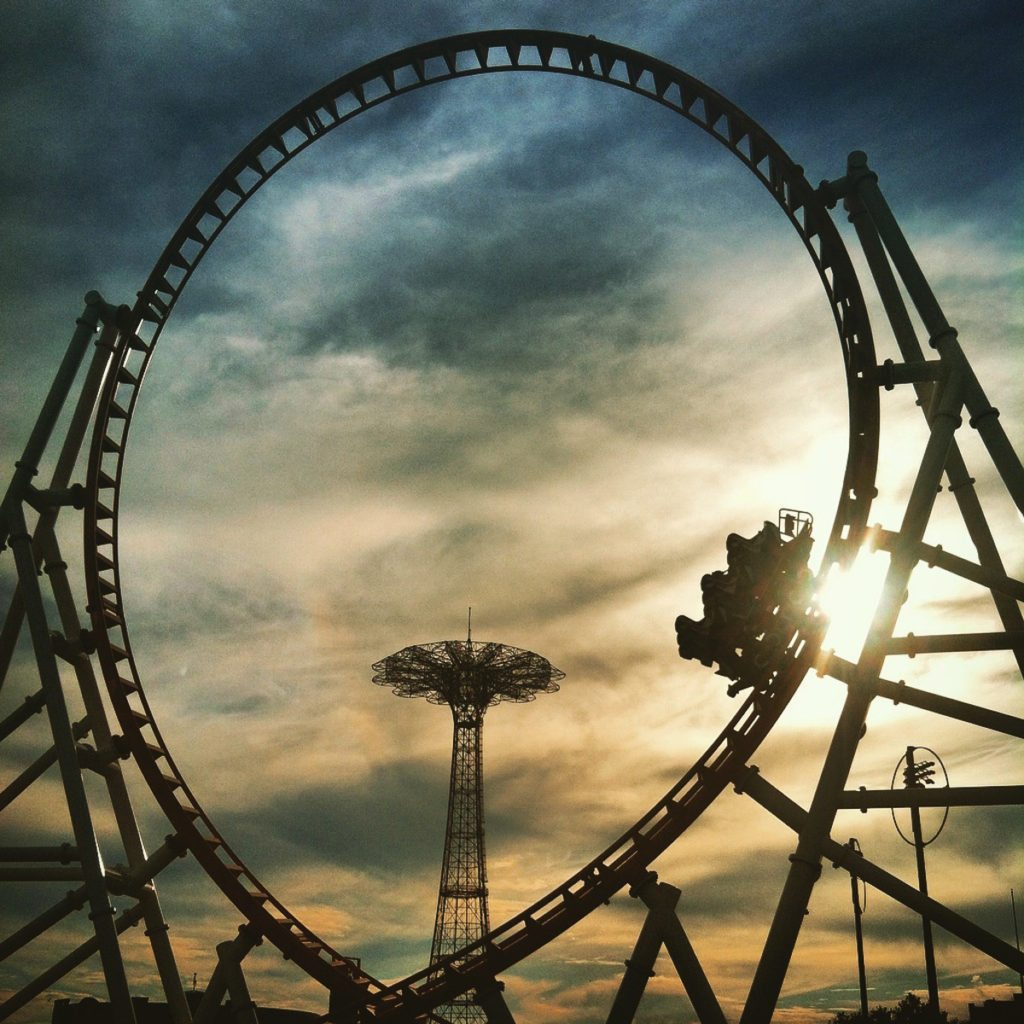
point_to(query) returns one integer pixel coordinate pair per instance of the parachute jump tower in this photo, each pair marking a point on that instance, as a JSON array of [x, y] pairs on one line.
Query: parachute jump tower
[[468, 676]]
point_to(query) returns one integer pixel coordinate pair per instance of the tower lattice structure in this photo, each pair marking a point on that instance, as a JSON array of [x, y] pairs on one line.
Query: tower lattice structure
[[468, 676]]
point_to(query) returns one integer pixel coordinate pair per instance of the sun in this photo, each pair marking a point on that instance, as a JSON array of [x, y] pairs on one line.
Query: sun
[[849, 599]]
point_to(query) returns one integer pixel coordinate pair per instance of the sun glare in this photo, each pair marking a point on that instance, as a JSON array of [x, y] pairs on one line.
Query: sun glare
[[849, 599]]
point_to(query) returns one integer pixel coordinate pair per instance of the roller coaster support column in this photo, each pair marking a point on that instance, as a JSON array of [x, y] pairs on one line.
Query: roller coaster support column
[[14, 530], [101, 912], [984, 417], [21, 489], [961, 483], [120, 801], [805, 862], [45, 553], [662, 927], [492, 1002], [228, 978], [28, 465]]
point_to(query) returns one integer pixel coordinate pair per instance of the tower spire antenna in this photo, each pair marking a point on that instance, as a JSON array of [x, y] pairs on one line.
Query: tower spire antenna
[[469, 625]]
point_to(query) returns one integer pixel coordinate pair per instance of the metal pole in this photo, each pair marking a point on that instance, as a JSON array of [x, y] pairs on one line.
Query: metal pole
[[662, 926], [32, 705], [662, 900], [639, 968], [858, 912], [1016, 936], [795, 817], [688, 967], [900, 693], [922, 884], [18, 785], [945, 797]]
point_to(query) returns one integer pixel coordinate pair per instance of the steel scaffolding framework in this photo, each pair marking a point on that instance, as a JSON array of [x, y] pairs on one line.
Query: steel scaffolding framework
[[469, 677], [80, 644]]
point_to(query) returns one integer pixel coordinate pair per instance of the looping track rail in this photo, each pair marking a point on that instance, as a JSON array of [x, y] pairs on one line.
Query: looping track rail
[[627, 860]]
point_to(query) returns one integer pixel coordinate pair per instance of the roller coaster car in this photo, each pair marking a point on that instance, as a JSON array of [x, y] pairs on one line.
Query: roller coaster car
[[753, 608]]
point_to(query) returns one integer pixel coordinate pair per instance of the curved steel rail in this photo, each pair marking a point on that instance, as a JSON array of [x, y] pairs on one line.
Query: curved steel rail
[[628, 858]]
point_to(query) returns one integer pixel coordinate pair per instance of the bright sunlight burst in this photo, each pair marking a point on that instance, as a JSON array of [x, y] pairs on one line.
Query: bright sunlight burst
[[849, 599]]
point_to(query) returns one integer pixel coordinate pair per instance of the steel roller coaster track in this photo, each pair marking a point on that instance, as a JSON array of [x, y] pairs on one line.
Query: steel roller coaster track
[[132, 334]]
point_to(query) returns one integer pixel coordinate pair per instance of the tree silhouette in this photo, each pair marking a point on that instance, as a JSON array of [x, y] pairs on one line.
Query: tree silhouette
[[909, 1010]]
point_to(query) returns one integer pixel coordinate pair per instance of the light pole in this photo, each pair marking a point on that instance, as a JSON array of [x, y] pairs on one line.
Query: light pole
[[918, 775], [859, 907], [1016, 936]]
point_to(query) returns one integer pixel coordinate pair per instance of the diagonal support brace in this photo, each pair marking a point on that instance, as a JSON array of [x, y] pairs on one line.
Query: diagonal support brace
[[228, 978], [662, 927]]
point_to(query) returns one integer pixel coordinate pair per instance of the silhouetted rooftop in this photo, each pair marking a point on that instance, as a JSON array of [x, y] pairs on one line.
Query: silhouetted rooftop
[[92, 1011]]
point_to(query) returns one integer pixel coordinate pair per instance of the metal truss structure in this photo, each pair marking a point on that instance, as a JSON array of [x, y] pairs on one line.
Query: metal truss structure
[[85, 659], [469, 677]]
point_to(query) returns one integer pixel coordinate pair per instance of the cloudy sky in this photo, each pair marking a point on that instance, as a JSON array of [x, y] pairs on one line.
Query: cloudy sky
[[525, 343]]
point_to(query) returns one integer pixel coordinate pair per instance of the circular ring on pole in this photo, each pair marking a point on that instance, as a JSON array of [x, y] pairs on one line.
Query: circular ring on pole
[[626, 860], [892, 786]]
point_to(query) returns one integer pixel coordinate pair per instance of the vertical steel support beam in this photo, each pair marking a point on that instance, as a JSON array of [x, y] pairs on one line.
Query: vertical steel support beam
[[943, 338], [1016, 937], [492, 1002], [45, 549], [805, 862], [101, 912], [961, 483]]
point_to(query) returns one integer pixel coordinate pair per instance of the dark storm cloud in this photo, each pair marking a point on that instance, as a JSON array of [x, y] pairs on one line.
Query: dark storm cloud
[[743, 891], [894, 922], [497, 561], [391, 821], [546, 270], [983, 835], [553, 240], [206, 604], [116, 116], [826, 79], [117, 91]]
